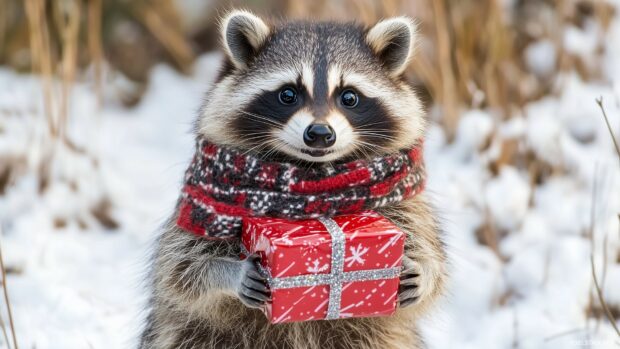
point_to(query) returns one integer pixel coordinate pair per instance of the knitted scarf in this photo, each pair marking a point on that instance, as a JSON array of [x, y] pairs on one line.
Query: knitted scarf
[[224, 185]]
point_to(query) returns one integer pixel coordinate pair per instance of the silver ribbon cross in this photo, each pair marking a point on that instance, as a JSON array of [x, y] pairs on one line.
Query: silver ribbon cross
[[337, 275]]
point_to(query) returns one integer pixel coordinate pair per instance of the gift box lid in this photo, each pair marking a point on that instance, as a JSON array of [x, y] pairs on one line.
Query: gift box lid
[[292, 248]]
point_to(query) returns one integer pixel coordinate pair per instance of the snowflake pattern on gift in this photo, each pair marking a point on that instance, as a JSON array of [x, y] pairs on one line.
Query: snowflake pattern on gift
[[311, 247], [316, 268], [356, 255], [370, 243]]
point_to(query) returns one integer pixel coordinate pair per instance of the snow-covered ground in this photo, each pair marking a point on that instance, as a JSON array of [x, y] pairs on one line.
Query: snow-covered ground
[[76, 287], [536, 292], [81, 288]]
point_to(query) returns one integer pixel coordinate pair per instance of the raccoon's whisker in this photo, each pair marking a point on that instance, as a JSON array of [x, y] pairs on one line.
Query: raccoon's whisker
[[276, 146], [254, 138], [272, 119], [267, 117], [362, 151], [256, 143], [258, 135], [263, 118], [366, 147], [257, 147], [374, 123], [280, 126], [374, 130], [377, 149], [371, 145], [260, 118], [258, 140], [343, 128], [268, 142], [377, 135], [251, 149], [268, 123], [264, 132], [383, 132]]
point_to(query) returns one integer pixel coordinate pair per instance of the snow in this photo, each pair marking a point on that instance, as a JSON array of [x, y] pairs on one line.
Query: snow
[[582, 42], [507, 198], [474, 129], [535, 290], [83, 288], [541, 57], [77, 287]]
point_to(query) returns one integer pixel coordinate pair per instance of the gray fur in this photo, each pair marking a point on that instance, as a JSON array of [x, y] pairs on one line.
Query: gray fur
[[204, 296], [320, 46]]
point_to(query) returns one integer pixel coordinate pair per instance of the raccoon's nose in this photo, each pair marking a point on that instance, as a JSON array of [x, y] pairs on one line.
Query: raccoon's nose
[[319, 136]]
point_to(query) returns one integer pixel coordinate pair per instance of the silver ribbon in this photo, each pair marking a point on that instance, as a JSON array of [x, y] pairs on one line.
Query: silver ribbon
[[336, 277]]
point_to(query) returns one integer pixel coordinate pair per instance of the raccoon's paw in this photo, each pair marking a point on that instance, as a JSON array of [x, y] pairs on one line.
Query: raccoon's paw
[[409, 289], [421, 281], [252, 290]]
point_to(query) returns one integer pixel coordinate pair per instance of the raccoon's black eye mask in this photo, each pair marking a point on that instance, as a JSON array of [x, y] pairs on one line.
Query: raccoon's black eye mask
[[313, 92], [224, 185], [348, 98]]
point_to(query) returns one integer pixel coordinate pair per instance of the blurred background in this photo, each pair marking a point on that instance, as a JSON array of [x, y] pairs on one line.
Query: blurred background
[[97, 98]]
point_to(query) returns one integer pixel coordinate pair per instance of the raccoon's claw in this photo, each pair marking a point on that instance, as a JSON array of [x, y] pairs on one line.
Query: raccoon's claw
[[409, 281], [253, 290], [407, 295]]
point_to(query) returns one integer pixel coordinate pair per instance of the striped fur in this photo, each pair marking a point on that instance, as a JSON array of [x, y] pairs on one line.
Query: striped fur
[[320, 60], [196, 283]]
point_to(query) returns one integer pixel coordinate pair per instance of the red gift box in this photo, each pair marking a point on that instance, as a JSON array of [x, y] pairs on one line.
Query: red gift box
[[348, 266]]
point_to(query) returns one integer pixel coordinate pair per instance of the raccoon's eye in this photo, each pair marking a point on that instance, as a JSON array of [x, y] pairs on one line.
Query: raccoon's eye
[[287, 96], [349, 99]]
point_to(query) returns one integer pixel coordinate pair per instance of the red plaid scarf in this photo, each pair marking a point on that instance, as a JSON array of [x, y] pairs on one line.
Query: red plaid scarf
[[224, 185]]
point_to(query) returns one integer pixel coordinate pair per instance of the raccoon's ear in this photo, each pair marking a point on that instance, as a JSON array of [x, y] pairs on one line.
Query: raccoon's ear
[[393, 41], [243, 34]]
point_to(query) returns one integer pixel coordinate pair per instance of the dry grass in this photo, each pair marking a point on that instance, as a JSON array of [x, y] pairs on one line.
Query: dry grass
[[131, 36], [605, 310], [599, 101], [7, 303], [41, 59], [5, 335], [470, 53], [95, 46], [157, 17], [446, 86], [3, 23], [57, 50], [68, 19], [56, 44], [597, 284]]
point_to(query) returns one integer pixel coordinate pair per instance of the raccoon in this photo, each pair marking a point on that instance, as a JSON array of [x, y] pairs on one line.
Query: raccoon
[[314, 93]]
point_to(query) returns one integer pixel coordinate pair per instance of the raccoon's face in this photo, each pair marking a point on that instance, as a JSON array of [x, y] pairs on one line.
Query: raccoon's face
[[318, 92]]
